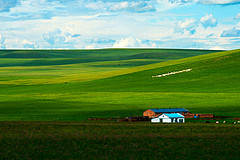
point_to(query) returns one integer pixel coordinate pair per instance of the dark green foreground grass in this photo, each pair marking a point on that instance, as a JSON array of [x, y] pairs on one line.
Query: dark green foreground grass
[[118, 140]]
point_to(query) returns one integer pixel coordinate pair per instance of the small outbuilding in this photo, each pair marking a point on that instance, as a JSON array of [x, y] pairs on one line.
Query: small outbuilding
[[169, 118]]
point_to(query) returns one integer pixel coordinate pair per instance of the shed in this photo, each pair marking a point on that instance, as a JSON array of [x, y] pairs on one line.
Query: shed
[[169, 118]]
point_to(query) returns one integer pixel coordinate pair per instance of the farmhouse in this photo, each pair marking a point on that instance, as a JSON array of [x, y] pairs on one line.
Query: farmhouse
[[151, 113], [169, 118]]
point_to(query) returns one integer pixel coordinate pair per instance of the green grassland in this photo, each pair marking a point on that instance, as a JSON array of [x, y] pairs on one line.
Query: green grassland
[[118, 141], [47, 96], [33, 90]]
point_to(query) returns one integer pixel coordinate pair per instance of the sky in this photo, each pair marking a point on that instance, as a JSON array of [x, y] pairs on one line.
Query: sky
[[95, 24]]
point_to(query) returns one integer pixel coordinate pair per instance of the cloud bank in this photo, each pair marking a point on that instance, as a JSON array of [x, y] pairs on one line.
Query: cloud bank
[[55, 24]]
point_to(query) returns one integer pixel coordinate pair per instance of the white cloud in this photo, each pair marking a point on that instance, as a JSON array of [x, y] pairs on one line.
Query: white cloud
[[210, 35], [238, 25], [219, 2], [234, 32], [127, 43], [97, 5], [132, 42], [102, 24], [217, 48], [132, 6], [116, 6], [237, 16], [180, 1], [56, 39], [5, 5], [163, 5], [120, 6], [208, 21], [46, 9], [29, 45], [34, 9], [205, 2], [187, 25], [2, 42]]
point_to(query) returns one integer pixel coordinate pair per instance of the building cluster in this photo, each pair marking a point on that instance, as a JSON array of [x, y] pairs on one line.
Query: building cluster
[[172, 115]]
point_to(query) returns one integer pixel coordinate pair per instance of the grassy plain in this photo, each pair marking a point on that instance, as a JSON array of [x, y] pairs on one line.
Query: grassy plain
[[47, 96], [121, 141], [117, 88]]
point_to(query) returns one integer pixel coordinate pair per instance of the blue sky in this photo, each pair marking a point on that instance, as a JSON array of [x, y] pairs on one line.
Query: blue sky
[[89, 24]]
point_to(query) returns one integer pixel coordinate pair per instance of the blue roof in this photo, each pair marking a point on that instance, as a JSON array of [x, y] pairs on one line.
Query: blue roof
[[174, 115], [169, 110]]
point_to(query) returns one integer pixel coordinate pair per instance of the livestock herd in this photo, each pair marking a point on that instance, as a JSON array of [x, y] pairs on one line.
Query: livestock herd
[[238, 122], [171, 73]]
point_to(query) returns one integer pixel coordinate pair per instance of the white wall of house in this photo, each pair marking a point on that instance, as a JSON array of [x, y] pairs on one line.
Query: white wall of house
[[155, 120], [165, 119]]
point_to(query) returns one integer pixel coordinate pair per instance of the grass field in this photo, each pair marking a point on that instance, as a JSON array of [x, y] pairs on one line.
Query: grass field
[[121, 141], [117, 88], [47, 96]]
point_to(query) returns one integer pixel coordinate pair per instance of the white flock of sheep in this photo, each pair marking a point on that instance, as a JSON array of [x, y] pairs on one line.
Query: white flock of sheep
[[238, 122], [171, 73]]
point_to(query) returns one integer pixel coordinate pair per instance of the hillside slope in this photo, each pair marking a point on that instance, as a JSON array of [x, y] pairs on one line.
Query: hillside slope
[[217, 72], [63, 57], [108, 89]]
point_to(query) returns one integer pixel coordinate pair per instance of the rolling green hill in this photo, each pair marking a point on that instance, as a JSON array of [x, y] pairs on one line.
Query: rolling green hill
[[63, 57], [110, 53], [214, 73], [119, 88]]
